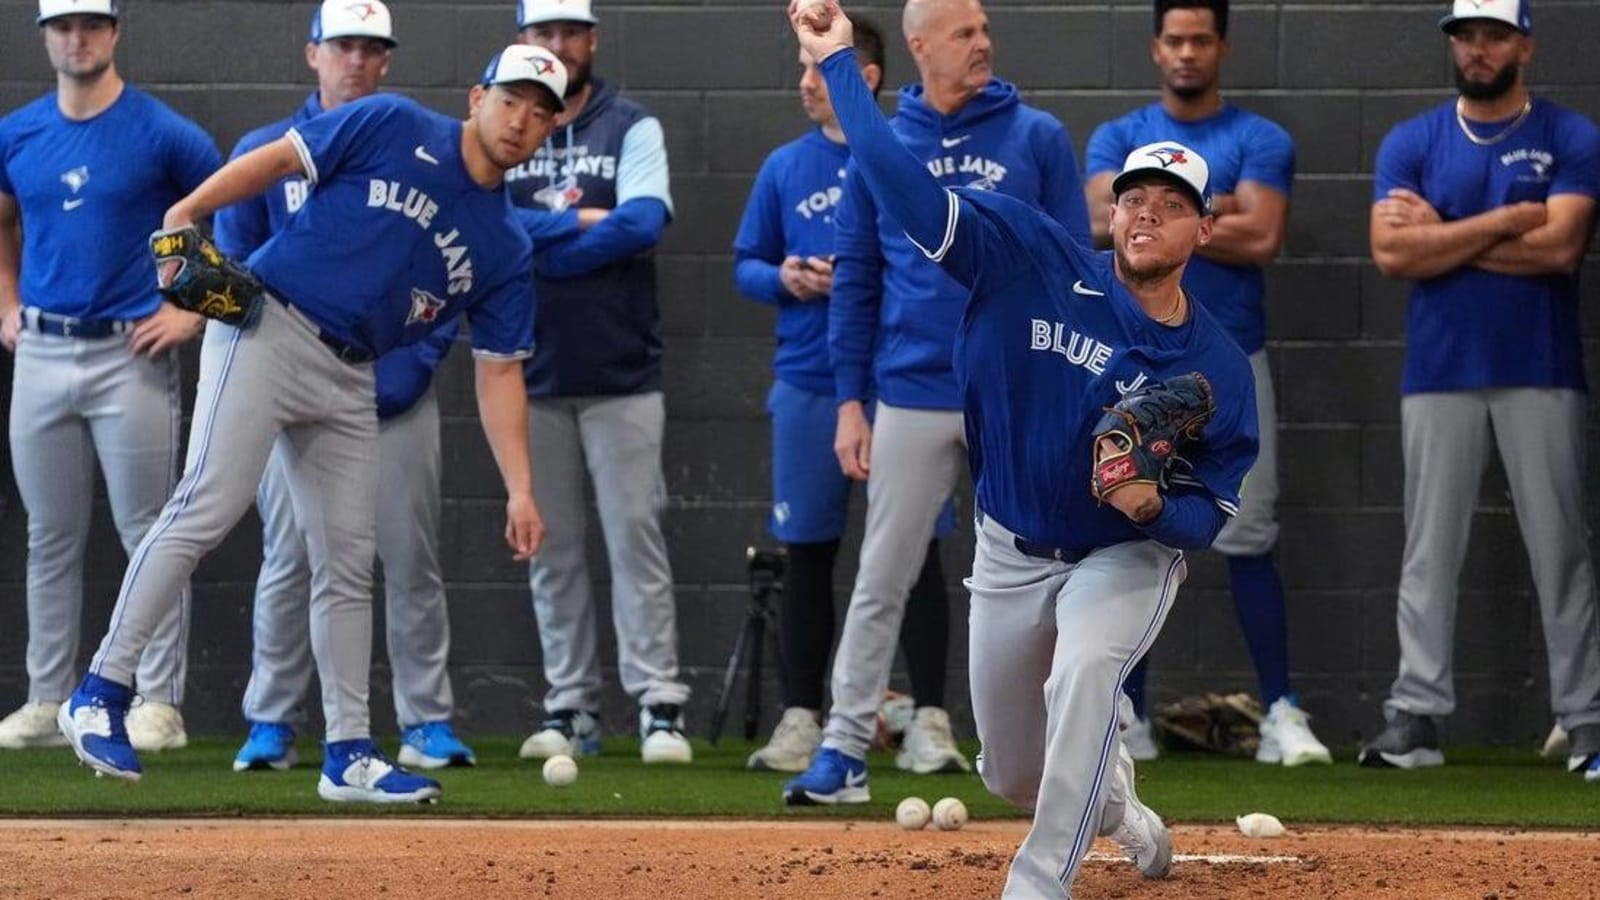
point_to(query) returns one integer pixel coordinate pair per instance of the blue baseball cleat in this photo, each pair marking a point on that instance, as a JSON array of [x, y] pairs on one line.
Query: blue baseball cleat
[[434, 745], [269, 746], [833, 778], [94, 723], [358, 772]]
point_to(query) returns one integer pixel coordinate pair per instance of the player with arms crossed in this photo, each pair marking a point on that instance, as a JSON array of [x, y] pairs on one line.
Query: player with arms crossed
[[1079, 550], [350, 49], [1488, 203], [408, 225], [1252, 170], [86, 173], [784, 257]]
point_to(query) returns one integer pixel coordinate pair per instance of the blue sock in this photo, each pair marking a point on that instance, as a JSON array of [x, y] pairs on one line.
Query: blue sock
[[1133, 686], [1258, 602]]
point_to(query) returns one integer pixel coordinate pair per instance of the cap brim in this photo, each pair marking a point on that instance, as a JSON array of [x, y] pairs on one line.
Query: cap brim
[[1450, 21], [1121, 182], [546, 20], [357, 34], [561, 103], [62, 15]]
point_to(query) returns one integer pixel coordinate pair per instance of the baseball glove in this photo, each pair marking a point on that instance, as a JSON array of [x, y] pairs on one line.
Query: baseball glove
[[1219, 723], [207, 282], [1146, 430]]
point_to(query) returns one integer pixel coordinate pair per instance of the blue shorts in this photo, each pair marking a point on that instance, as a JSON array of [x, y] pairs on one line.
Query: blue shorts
[[810, 494]]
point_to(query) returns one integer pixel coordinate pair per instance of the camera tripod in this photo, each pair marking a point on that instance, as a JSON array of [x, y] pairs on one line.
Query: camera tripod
[[766, 570]]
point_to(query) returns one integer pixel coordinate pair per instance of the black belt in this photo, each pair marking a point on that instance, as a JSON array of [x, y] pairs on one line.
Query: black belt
[[1044, 551], [68, 326], [344, 352]]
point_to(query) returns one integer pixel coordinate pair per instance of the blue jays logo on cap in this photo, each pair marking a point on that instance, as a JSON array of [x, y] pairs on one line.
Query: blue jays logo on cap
[[1168, 156]]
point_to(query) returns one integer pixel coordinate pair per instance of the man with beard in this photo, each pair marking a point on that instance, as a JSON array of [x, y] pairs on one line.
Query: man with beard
[[893, 320], [1070, 585], [85, 174], [1252, 163], [594, 393], [406, 226], [350, 49], [1487, 203]]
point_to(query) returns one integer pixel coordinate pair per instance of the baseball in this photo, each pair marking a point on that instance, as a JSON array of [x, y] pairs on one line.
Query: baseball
[[1260, 825], [949, 814], [912, 813], [819, 16], [560, 771]]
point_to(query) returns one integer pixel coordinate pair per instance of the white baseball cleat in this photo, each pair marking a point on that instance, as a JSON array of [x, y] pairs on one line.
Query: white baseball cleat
[[1141, 834], [793, 742], [661, 737], [929, 745], [33, 725], [1140, 740], [1286, 737], [156, 726]]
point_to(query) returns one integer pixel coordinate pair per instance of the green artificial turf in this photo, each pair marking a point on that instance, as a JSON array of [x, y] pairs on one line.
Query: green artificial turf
[[1482, 787]]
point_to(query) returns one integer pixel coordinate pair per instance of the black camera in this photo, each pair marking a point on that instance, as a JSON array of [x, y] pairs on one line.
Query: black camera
[[766, 566]]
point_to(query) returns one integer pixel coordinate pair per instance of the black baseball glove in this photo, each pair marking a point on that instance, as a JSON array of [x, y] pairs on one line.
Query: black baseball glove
[[1138, 440], [207, 282]]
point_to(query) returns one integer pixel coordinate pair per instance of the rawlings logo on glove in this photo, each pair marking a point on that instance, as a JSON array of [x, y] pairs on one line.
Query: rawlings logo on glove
[[206, 281], [1138, 440]]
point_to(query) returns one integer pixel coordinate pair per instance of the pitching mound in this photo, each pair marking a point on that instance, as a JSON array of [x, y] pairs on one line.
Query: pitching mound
[[401, 858]]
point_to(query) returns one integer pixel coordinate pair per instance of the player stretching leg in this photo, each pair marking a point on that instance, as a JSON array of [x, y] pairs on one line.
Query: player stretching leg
[[1067, 591], [407, 227]]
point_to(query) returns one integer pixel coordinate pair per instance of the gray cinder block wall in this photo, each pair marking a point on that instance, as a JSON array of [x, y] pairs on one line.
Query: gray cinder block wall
[[721, 77]]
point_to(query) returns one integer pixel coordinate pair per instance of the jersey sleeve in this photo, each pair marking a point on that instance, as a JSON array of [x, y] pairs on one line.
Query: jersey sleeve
[[1399, 163], [6, 187], [243, 227], [1062, 194], [1228, 447], [1107, 149], [404, 373], [1578, 158], [857, 294], [1269, 157], [758, 244], [642, 165], [354, 132], [191, 156], [502, 321]]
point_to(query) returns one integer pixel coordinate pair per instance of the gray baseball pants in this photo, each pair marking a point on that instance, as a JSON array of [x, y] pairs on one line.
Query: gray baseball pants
[[1446, 438], [1254, 531], [1051, 643], [618, 440], [917, 457], [276, 379], [417, 621], [75, 401]]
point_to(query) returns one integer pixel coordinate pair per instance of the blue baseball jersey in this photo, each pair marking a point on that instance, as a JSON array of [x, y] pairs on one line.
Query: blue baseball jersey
[[404, 373], [1238, 146], [90, 192], [1469, 328], [893, 314], [1047, 338], [790, 213], [395, 238]]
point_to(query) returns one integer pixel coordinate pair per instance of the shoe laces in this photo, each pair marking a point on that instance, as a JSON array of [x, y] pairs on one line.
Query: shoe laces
[[794, 722], [663, 717], [1128, 835]]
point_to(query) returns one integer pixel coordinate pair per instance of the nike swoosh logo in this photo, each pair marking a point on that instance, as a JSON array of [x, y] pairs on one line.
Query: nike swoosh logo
[[426, 157], [952, 142], [1078, 287], [855, 779], [70, 205]]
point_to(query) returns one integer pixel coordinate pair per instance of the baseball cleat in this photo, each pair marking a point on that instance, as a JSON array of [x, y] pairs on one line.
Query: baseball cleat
[[1142, 835], [1140, 739], [564, 732], [93, 721], [270, 746], [1555, 743], [833, 778], [661, 735], [434, 745], [1286, 737], [1408, 742], [1591, 768], [929, 745], [793, 742], [356, 771], [32, 725], [153, 727]]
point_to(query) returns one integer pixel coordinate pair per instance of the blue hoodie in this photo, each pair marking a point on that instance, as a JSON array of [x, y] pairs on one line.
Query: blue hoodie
[[893, 314]]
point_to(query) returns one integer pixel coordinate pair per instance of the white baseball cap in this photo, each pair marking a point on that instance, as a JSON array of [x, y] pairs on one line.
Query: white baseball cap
[[525, 62], [55, 9], [352, 18], [1512, 12], [536, 12], [1172, 159]]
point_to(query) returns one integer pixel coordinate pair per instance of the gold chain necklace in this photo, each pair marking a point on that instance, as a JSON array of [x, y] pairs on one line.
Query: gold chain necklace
[[1177, 308], [1461, 120]]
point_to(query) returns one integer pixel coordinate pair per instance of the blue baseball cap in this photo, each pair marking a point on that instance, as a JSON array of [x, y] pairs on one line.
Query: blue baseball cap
[[1512, 12]]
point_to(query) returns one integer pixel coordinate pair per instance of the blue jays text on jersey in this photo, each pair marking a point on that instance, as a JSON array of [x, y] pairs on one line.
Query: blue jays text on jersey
[[100, 184], [391, 198]]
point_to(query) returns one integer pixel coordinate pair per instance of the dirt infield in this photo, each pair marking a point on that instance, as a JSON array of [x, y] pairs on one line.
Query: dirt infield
[[403, 858]]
